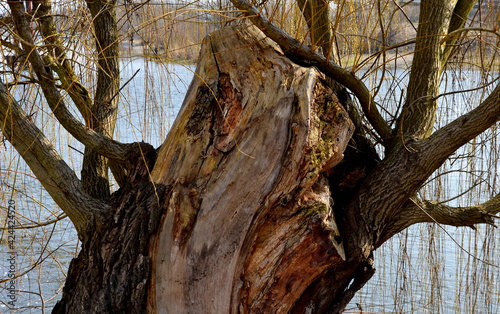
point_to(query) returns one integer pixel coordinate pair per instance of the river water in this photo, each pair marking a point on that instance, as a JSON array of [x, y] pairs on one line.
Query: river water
[[425, 269]]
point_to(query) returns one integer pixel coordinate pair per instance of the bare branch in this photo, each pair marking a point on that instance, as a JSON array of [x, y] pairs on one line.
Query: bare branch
[[459, 216], [304, 56], [452, 37], [103, 111], [100, 143], [460, 14], [417, 211], [445, 141], [59, 62], [317, 15], [54, 174], [427, 156], [417, 118]]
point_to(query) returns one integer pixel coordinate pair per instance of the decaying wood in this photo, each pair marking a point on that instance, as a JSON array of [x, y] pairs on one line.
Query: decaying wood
[[236, 214], [249, 224], [247, 208], [305, 56]]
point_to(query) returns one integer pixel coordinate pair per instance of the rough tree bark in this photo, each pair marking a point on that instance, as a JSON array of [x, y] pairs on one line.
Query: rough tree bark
[[247, 181], [246, 207], [102, 113], [230, 189]]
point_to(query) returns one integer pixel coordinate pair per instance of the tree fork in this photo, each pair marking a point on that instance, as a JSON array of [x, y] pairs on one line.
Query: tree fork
[[234, 204], [250, 192]]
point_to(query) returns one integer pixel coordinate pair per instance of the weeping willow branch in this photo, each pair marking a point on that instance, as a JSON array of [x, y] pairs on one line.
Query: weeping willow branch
[[458, 19], [452, 37], [59, 62], [417, 118], [428, 155], [417, 211], [103, 112], [461, 216], [434, 150], [317, 15], [114, 150], [38, 225], [55, 175], [394, 181]]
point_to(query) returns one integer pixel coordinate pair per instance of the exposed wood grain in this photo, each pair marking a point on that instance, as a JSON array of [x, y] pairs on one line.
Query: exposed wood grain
[[305, 56], [245, 158]]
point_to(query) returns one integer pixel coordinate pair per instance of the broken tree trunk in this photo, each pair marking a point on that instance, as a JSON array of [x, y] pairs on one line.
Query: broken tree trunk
[[239, 218], [249, 224]]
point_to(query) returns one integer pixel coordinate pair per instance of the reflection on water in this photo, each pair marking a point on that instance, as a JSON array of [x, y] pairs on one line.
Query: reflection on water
[[421, 270]]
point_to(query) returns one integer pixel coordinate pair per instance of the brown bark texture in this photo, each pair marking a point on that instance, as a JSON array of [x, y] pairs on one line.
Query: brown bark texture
[[249, 224], [111, 273], [237, 213], [259, 200], [102, 115]]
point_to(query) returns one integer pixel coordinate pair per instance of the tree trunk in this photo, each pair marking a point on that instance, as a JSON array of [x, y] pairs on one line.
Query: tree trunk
[[239, 218], [250, 204], [112, 271], [249, 224]]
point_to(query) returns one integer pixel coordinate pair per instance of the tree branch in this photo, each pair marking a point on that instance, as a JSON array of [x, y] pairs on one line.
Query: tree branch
[[458, 19], [55, 175], [441, 144], [417, 211], [304, 56], [103, 112], [427, 156], [317, 15], [385, 190], [59, 62], [429, 211], [100, 143], [453, 36], [419, 111]]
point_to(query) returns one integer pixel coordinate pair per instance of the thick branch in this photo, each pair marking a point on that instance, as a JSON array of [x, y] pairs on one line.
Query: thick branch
[[54, 174], [428, 211], [384, 192], [404, 170], [60, 63], [418, 114], [397, 178], [108, 72], [445, 141], [453, 36], [101, 115], [417, 211], [98, 142], [104, 110], [458, 19], [317, 15], [303, 55]]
